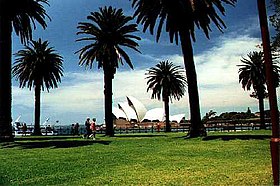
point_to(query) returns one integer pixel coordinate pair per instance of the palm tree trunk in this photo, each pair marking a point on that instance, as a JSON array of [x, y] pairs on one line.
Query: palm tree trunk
[[197, 129], [5, 79], [261, 108], [37, 129], [274, 112], [108, 78], [166, 108]]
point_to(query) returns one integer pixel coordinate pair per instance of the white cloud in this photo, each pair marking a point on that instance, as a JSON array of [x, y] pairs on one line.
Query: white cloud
[[218, 65], [133, 83]]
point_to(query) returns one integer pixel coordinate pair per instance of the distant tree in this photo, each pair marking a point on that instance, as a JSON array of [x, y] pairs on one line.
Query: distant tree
[[181, 18], [249, 111], [38, 66], [18, 16], [252, 75], [166, 81], [208, 116], [106, 35]]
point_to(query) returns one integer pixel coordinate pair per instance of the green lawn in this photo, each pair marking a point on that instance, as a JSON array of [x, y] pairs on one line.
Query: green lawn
[[240, 158]]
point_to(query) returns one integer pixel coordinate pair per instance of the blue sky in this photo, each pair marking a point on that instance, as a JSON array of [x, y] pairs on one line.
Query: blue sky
[[80, 94]]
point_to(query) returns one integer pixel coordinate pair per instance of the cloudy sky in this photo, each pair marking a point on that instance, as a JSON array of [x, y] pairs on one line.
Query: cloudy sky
[[80, 94]]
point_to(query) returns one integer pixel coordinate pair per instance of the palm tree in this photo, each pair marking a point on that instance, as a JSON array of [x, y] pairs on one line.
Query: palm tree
[[167, 81], [252, 75], [181, 17], [38, 67], [18, 16], [106, 35], [208, 116]]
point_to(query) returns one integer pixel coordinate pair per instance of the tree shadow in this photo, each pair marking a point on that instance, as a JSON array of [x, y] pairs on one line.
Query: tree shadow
[[234, 137], [4, 180], [139, 135], [33, 138], [52, 144]]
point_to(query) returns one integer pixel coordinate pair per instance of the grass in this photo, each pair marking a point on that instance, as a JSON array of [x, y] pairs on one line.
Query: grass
[[240, 158]]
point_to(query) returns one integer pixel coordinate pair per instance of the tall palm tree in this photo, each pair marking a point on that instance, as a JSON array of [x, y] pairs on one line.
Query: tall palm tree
[[38, 66], [107, 32], [167, 81], [252, 75], [18, 16], [181, 17]]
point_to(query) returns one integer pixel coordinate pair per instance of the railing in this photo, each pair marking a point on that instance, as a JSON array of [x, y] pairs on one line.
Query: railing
[[222, 126]]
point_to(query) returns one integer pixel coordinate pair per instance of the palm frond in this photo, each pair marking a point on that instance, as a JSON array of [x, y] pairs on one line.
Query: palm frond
[[38, 64], [166, 79], [24, 14], [108, 31], [252, 74], [180, 15]]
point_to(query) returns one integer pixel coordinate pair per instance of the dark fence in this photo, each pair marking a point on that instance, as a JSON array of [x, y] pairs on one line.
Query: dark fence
[[214, 126], [222, 126]]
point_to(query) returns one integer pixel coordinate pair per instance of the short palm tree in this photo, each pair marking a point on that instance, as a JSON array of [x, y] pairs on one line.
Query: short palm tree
[[107, 32], [38, 66], [208, 116], [166, 81], [181, 17], [18, 16], [252, 75]]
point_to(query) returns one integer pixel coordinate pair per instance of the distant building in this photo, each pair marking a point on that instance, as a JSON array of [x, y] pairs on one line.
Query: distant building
[[133, 113]]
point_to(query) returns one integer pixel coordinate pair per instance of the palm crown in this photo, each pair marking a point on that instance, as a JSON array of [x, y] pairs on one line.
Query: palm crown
[[252, 73], [179, 15], [166, 79], [107, 34], [23, 14], [38, 65]]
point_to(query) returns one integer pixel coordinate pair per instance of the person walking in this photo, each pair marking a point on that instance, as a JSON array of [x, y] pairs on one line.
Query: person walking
[[24, 129], [73, 129], [93, 128], [76, 129], [88, 130]]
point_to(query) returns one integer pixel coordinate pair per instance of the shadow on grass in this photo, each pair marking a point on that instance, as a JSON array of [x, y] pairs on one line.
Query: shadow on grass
[[4, 180], [31, 138], [139, 135], [52, 143], [234, 137]]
